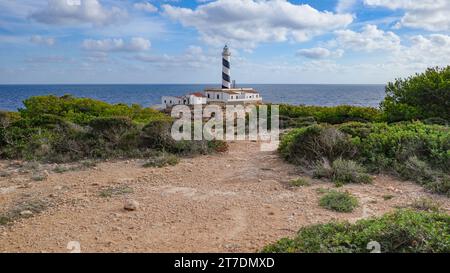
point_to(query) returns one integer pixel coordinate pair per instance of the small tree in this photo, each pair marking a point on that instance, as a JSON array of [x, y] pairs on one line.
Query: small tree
[[422, 96]]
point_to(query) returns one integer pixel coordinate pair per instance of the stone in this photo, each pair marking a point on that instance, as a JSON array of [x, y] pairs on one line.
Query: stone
[[131, 205], [26, 213]]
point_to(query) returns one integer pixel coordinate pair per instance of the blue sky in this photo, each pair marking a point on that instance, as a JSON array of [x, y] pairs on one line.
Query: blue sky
[[176, 41]]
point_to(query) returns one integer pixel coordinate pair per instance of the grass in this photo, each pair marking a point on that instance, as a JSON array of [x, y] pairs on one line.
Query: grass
[[165, 159], [342, 172], [114, 191], [387, 197], [38, 177], [5, 174], [82, 165], [426, 204], [88, 163], [300, 182], [397, 232], [61, 169], [338, 201], [34, 205]]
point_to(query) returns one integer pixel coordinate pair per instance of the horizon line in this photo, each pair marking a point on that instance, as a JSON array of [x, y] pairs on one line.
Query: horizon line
[[213, 84]]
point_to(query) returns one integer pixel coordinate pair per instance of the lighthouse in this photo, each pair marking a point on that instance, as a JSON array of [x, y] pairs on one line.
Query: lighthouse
[[226, 79]]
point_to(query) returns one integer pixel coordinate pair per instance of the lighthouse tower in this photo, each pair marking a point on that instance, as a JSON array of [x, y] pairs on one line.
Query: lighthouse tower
[[226, 79]]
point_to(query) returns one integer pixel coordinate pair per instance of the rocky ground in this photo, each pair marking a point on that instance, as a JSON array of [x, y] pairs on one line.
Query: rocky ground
[[238, 201]]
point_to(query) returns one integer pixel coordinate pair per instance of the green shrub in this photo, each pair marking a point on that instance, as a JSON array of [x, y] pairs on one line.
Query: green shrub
[[342, 171], [421, 96], [332, 115], [401, 231], [64, 129], [162, 160], [426, 204], [412, 150], [387, 144], [115, 131], [417, 170], [315, 142], [157, 134], [113, 191], [299, 182], [349, 171], [83, 110], [339, 201]]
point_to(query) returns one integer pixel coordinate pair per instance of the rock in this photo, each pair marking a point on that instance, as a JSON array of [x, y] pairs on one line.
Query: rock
[[26, 213], [131, 205]]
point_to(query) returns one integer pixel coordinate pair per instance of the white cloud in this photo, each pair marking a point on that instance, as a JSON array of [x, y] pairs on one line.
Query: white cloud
[[425, 51], [46, 59], [135, 44], [344, 6], [88, 11], [193, 56], [39, 40], [424, 14], [369, 39], [145, 6], [246, 23], [319, 53]]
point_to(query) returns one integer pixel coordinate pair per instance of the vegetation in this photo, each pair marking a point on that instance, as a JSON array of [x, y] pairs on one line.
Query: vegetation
[[299, 182], [422, 96], [426, 204], [342, 172], [33, 205], [162, 160], [296, 115], [64, 129], [338, 201], [410, 150], [401, 231], [113, 191]]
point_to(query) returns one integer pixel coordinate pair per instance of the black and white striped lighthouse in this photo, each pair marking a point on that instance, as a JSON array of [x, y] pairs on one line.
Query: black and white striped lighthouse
[[226, 79]]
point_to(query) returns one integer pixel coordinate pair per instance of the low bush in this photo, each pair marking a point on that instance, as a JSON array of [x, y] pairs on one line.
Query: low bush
[[339, 201], [162, 160], [401, 231], [315, 142], [299, 182], [64, 129], [342, 172], [411, 150], [349, 171], [426, 204], [332, 115], [114, 191]]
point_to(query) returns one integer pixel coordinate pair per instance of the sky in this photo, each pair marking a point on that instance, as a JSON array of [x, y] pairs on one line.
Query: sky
[[176, 41]]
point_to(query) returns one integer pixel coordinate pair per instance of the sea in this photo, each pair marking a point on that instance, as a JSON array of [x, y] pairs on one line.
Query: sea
[[147, 95]]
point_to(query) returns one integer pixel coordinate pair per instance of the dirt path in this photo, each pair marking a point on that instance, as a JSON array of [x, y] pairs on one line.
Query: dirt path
[[233, 202]]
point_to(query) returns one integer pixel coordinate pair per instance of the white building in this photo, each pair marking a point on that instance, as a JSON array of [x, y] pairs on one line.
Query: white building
[[228, 94], [190, 99], [233, 95]]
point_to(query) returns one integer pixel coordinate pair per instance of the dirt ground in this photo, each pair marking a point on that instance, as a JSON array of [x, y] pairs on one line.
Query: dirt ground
[[238, 201]]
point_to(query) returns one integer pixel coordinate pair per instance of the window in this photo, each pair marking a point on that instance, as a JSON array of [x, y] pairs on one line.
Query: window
[[217, 96], [165, 101], [208, 95], [170, 102]]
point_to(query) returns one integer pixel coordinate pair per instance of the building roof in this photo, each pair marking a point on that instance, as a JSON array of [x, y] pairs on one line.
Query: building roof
[[198, 94], [232, 90]]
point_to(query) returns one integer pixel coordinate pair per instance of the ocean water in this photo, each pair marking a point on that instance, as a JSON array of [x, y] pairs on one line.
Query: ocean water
[[11, 96]]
